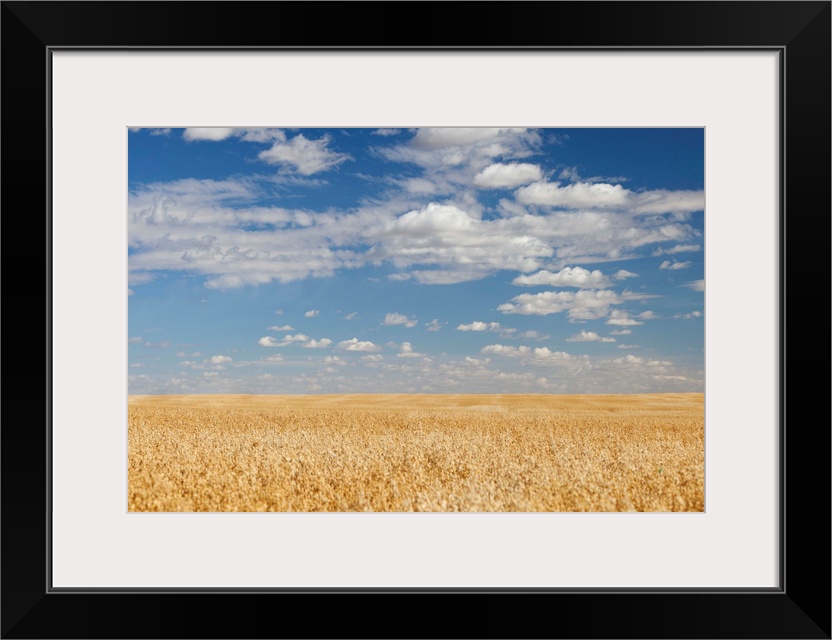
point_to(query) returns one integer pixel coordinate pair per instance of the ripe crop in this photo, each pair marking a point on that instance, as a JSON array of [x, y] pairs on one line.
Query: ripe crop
[[417, 453]]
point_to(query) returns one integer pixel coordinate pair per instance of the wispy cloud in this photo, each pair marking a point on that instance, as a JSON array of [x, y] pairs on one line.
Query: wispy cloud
[[696, 285], [667, 264], [679, 248]]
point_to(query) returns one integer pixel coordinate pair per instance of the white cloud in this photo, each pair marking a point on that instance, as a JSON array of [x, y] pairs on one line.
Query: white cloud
[[317, 344], [572, 174], [529, 355], [581, 305], [628, 346], [406, 351], [275, 358], [285, 327], [434, 325], [479, 326], [646, 315], [622, 319], [514, 174], [566, 277], [387, 132], [207, 133], [334, 360], [393, 319], [372, 358], [130, 292], [298, 338], [589, 336], [219, 230], [218, 359], [302, 155], [623, 274], [203, 227], [351, 316], [696, 285], [679, 248], [313, 313], [354, 344], [621, 332], [584, 195], [667, 264], [532, 335], [688, 316]]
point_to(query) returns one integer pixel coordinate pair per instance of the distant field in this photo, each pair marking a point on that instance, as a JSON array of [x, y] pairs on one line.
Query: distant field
[[417, 453]]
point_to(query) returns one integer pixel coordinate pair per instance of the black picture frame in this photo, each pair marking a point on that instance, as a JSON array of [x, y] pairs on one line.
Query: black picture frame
[[799, 608]]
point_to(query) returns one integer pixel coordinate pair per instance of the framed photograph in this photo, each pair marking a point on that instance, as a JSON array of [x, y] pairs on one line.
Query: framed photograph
[[251, 211]]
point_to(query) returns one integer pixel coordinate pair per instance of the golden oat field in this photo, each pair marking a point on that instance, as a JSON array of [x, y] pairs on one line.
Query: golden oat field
[[390, 453]]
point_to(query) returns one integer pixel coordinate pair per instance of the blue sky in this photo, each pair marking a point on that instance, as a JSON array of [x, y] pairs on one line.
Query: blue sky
[[295, 261]]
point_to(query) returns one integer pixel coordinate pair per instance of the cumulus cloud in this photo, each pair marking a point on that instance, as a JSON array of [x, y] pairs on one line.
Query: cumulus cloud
[[275, 358], [214, 134], [218, 359], [302, 155], [631, 360], [566, 277], [584, 195], [622, 319], [317, 344], [430, 227], [479, 326], [628, 346], [688, 316], [351, 316], [372, 358], [623, 274], [354, 344], [536, 355], [589, 336], [514, 174], [394, 319], [285, 327], [667, 264], [581, 305], [387, 132], [313, 313], [621, 332], [334, 360], [406, 351], [298, 338]]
